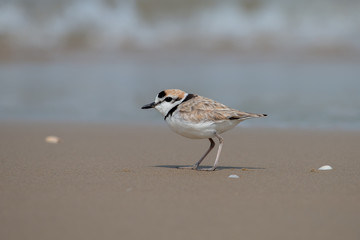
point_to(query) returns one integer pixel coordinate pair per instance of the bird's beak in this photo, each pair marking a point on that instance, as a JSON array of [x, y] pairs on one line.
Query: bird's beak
[[150, 105]]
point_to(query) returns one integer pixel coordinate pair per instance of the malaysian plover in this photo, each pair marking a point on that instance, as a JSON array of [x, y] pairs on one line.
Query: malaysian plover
[[197, 117]]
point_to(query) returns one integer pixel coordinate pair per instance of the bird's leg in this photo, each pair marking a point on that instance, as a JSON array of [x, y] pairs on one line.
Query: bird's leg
[[212, 144], [221, 141], [196, 165]]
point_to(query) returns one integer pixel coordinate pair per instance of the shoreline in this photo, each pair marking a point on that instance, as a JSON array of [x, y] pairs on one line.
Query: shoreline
[[295, 56]]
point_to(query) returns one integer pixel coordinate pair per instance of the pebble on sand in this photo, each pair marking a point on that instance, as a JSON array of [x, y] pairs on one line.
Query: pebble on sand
[[233, 176], [52, 139], [325, 167]]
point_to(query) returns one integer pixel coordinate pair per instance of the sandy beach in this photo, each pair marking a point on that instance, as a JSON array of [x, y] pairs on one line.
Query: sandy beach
[[120, 182]]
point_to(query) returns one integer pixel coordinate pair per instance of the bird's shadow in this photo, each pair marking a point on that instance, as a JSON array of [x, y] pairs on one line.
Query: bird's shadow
[[218, 168]]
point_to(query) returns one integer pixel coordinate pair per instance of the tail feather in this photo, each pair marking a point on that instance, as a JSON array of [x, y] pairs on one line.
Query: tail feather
[[255, 115], [244, 116]]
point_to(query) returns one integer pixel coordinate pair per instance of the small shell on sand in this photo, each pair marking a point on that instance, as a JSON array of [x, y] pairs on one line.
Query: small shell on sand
[[233, 176], [325, 167], [52, 139]]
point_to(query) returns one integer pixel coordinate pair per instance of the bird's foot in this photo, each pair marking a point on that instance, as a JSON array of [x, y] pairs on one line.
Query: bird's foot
[[207, 169], [193, 167]]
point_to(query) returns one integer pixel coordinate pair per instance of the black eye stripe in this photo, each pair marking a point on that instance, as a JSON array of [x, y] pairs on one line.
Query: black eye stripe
[[170, 99]]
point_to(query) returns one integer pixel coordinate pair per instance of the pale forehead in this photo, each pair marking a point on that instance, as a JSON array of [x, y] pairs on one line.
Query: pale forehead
[[175, 92]]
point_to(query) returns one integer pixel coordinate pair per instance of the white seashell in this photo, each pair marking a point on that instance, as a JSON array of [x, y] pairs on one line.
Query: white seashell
[[52, 139], [233, 176], [325, 167]]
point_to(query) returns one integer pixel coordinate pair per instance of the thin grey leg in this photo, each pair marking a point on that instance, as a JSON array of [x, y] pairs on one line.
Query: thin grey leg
[[212, 144], [196, 165], [221, 141]]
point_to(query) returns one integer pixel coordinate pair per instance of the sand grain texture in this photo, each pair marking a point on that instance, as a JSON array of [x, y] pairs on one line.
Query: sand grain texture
[[120, 182]]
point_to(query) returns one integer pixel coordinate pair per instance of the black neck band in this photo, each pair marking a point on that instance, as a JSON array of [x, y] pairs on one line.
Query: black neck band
[[188, 97]]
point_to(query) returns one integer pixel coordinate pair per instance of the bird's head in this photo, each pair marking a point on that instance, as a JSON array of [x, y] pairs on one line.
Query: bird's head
[[166, 100]]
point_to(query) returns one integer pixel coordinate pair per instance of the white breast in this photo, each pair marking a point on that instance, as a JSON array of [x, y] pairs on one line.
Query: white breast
[[199, 130]]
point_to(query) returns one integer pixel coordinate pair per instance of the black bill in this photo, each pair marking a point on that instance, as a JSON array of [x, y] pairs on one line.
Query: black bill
[[147, 106]]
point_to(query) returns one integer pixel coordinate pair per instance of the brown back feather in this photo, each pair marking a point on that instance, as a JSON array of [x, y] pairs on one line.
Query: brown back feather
[[205, 109]]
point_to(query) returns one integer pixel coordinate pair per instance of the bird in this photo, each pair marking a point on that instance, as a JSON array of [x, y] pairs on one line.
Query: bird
[[197, 117]]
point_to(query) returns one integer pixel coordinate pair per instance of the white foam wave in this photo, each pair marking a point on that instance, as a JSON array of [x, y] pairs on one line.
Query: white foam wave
[[99, 24]]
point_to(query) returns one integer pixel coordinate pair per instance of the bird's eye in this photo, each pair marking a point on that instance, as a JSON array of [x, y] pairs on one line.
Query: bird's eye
[[168, 99]]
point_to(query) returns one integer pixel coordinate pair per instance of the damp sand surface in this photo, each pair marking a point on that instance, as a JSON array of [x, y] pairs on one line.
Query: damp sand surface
[[113, 181]]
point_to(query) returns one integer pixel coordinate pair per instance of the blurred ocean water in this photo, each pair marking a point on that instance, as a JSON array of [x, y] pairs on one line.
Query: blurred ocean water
[[208, 24], [294, 94]]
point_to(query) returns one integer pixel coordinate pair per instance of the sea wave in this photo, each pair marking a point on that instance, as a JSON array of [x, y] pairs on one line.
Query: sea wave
[[154, 24]]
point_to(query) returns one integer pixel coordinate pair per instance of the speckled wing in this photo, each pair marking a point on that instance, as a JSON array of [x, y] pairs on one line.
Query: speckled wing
[[201, 109]]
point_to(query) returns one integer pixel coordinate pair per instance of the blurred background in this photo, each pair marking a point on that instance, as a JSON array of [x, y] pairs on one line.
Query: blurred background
[[101, 60]]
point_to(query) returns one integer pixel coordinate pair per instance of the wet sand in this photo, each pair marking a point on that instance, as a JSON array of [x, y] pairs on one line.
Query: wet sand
[[121, 182]]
